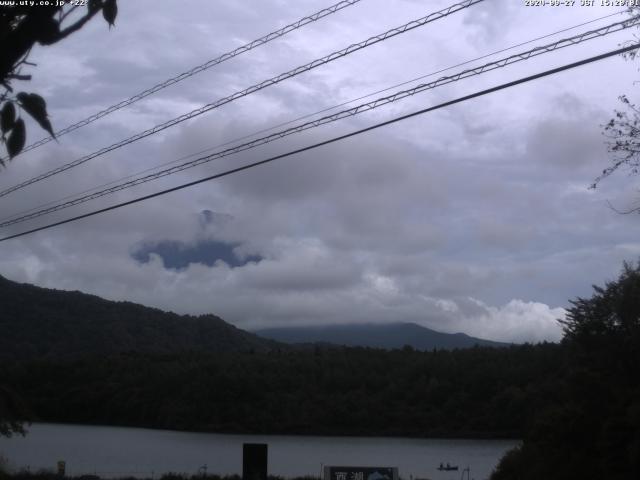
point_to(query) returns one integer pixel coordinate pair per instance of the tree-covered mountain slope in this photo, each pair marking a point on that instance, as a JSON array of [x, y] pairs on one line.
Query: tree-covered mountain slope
[[40, 322]]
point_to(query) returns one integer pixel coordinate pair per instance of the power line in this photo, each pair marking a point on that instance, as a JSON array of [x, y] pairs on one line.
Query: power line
[[309, 115], [570, 41], [195, 70], [334, 139], [266, 83]]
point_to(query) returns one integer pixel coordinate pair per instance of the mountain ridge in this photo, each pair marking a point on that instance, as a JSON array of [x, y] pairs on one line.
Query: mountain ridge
[[39, 322], [374, 335]]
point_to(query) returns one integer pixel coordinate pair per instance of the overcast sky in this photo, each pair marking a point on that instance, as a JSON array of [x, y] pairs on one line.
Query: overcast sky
[[475, 218]]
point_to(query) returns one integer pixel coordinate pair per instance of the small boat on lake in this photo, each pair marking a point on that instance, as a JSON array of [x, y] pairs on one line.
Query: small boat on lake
[[447, 467]]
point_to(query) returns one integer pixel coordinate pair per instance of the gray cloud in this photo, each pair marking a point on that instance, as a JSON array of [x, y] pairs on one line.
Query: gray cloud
[[490, 19], [475, 218]]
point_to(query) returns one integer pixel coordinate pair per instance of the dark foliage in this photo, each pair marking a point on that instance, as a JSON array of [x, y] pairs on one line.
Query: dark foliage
[[478, 392], [49, 324], [593, 431], [623, 130], [13, 413], [21, 28], [43, 323], [623, 134], [81, 359]]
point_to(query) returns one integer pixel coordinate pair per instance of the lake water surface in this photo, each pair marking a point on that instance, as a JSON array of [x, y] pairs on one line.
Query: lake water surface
[[115, 451]]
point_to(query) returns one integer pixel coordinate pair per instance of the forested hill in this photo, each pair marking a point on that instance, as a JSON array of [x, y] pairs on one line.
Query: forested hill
[[472, 392], [386, 336], [40, 322]]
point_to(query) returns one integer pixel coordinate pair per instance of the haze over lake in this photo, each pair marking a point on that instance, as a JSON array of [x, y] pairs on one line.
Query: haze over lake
[[115, 451]]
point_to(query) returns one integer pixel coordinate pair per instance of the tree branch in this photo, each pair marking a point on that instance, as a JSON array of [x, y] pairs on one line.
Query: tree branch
[[19, 77], [67, 13], [76, 26]]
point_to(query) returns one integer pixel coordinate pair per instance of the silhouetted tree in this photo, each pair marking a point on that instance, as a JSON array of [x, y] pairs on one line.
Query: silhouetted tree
[[593, 430], [13, 413], [613, 312], [623, 130]]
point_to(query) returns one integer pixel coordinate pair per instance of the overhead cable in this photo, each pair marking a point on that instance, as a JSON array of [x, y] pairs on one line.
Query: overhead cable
[[332, 140], [195, 70], [576, 39], [303, 117], [266, 83]]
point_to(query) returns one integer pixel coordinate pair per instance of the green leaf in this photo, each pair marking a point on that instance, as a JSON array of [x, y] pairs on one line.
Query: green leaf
[[16, 140], [7, 117], [35, 106], [110, 11]]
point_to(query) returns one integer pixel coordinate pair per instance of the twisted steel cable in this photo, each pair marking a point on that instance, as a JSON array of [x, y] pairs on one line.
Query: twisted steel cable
[[566, 42], [333, 139], [305, 116], [254, 88], [195, 70]]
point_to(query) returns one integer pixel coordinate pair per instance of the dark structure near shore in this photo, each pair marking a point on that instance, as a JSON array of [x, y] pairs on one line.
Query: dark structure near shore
[[254, 461]]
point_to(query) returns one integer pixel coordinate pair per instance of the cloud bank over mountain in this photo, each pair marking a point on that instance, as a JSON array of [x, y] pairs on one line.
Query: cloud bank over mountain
[[476, 218]]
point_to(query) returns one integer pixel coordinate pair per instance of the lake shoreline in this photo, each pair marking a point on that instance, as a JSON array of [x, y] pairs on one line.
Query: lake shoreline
[[437, 436], [51, 475], [112, 452]]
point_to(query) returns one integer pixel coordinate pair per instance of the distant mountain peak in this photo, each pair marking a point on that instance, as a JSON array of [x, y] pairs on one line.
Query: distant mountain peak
[[209, 217], [376, 335]]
